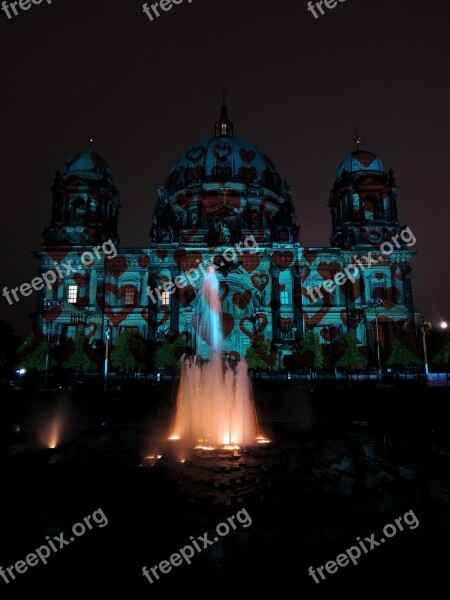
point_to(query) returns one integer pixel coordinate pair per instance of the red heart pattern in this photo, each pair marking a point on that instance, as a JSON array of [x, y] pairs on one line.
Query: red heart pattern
[[90, 329], [143, 261], [222, 152], [224, 290], [310, 256], [282, 260], [250, 262], [260, 281], [116, 318], [117, 266], [247, 324], [329, 333], [195, 155], [247, 156], [81, 280], [187, 260], [242, 300], [227, 324], [328, 270], [52, 315]]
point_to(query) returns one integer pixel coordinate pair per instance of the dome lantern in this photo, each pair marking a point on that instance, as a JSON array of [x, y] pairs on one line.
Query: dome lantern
[[224, 127]]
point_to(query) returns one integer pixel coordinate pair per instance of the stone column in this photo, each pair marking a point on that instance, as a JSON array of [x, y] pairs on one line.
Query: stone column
[[297, 299], [397, 283], [93, 287], [152, 306], [409, 300], [143, 285], [275, 303], [174, 302]]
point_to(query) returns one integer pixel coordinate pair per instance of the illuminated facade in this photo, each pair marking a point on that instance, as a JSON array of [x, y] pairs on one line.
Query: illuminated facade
[[221, 192]]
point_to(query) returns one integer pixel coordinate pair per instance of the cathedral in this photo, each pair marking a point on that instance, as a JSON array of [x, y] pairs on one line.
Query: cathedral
[[221, 193]]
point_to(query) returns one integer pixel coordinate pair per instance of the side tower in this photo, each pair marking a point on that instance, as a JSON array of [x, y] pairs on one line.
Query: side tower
[[99, 287], [373, 252]]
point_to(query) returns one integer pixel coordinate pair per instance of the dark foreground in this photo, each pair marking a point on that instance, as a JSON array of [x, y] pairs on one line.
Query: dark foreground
[[342, 465]]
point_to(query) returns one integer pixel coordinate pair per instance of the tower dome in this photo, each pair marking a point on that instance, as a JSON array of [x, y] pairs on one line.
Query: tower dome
[[363, 201], [360, 161], [88, 165], [85, 202]]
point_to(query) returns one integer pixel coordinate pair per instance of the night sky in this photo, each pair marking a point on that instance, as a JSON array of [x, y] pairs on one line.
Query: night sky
[[297, 87]]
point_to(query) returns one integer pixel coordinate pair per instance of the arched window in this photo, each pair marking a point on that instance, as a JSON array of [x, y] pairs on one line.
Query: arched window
[[72, 294], [165, 298], [285, 288], [130, 295], [92, 209], [164, 278], [284, 235], [78, 210], [355, 207], [369, 210], [378, 287]]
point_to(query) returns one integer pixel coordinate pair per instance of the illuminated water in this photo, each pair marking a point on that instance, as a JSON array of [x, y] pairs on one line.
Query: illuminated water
[[215, 405]]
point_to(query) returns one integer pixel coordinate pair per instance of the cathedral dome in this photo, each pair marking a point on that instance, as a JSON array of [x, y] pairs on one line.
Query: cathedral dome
[[88, 165], [220, 188], [360, 161], [224, 159]]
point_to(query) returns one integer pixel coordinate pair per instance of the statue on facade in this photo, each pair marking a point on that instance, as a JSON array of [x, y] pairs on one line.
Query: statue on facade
[[260, 297], [162, 195], [154, 232], [224, 234]]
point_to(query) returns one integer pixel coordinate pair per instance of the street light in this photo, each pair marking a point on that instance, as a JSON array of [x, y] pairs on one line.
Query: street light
[[107, 340], [330, 350], [425, 328], [375, 304], [443, 325], [48, 305]]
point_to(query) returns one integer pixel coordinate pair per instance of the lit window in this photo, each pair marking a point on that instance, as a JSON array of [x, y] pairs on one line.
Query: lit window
[[72, 294], [284, 297], [165, 298], [130, 295]]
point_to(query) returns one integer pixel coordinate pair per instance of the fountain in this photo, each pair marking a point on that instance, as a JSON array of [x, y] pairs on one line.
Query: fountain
[[215, 408], [51, 431]]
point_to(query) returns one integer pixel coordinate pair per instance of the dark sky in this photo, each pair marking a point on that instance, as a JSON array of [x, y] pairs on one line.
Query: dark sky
[[297, 87]]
